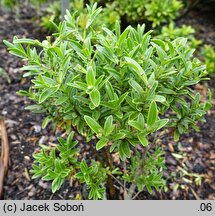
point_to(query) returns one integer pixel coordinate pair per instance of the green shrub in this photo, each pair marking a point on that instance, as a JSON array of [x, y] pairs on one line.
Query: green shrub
[[17, 3], [53, 13], [208, 55], [155, 11], [116, 89], [205, 53], [171, 32], [7, 3], [162, 11], [132, 10]]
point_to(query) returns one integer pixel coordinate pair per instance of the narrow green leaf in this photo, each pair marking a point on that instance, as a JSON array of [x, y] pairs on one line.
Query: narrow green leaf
[[18, 52], [61, 100], [152, 114], [46, 94], [47, 177], [78, 85], [93, 124], [26, 41], [83, 166], [136, 125], [95, 97], [90, 77], [121, 153], [48, 81], [122, 98], [124, 147], [141, 120], [158, 125], [110, 90], [46, 121], [35, 107], [8, 44], [137, 68], [31, 68], [142, 139], [108, 126], [123, 36], [158, 98], [101, 143], [56, 184], [136, 86], [176, 135], [119, 136]]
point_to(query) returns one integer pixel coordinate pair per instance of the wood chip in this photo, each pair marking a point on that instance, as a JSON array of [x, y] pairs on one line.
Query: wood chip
[[4, 160]]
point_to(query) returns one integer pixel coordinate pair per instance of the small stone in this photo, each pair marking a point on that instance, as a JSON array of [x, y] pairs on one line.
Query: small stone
[[37, 128], [171, 161], [32, 192], [43, 184], [27, 158], [171, 148], [79, 138], [13, 137], [198, 168], [42, 140]]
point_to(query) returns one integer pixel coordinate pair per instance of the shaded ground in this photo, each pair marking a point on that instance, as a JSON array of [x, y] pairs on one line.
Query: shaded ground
[[190, 163]]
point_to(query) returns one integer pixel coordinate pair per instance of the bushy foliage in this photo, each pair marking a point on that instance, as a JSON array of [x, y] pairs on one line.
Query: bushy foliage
[[16, 3], [171, 32], [205, 53], [152, 11], [162, 11], [208, 55], [53, 13], [116, 89], [155, 11]]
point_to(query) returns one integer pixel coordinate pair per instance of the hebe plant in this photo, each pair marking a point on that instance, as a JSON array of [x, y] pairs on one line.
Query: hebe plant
[[205, 53], [116, 89], [162, 11], [171, 32], [155, 11], [53, 13], [208, 56], [16, 3]]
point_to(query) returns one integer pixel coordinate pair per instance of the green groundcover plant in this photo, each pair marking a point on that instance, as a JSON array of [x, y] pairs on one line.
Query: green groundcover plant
[[53, 14], [16, 3], [204, 52], [171, 31], [154, 12], [207, 54], [116, 89]]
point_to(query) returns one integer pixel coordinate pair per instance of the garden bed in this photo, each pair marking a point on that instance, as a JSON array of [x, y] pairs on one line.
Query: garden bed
[[192, 159]]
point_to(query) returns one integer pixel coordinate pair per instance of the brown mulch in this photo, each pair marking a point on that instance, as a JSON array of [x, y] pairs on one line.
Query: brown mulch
[[190, 162]]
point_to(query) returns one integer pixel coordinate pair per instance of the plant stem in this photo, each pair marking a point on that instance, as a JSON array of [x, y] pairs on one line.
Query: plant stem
[[136, 195], [138, 172], [95, 153], [120, 183], [133, 186], [110, 184]]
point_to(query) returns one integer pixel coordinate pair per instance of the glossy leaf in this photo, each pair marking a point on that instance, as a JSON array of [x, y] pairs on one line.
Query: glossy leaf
[[95, 97], [152, 114], [137, 68], [108, 126], [93, 124], [101, 143], [142, 139]]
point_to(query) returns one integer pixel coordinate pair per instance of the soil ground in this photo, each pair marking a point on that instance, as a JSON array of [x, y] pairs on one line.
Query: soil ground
[[190, 162]]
